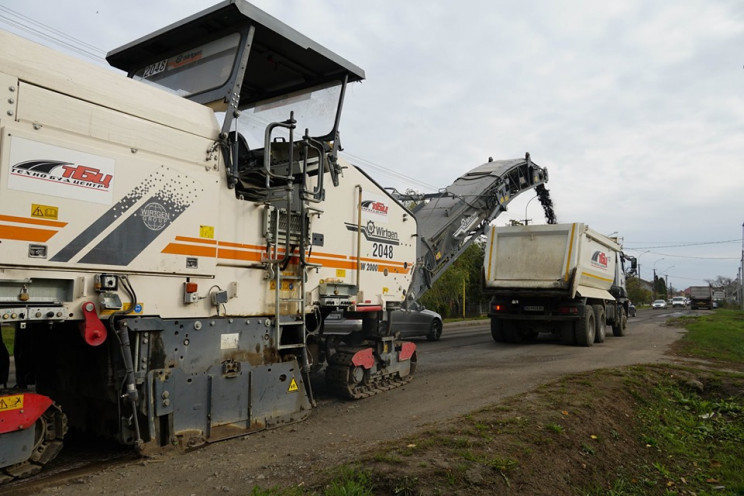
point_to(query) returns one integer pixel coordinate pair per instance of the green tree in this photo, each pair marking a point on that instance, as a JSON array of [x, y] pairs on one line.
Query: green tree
[[445, 295], [636, 292], [660, 287]]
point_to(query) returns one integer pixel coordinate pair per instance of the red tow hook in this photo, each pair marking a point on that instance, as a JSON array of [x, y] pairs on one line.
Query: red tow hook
[[93, 330]]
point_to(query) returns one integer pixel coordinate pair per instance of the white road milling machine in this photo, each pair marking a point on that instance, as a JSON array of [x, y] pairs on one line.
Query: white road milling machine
[[171, 241]]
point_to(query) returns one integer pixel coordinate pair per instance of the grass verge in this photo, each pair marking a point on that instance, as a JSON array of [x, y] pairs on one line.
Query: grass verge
[[718, 336]]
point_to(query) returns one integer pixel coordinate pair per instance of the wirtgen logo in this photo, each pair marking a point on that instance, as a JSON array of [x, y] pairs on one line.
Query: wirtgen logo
[[64, 173], [599, 259]]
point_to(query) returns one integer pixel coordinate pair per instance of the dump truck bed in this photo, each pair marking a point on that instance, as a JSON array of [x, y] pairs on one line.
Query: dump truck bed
[[570, 258]]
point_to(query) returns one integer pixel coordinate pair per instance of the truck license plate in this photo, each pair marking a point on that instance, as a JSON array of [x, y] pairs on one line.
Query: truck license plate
[[533, 308]]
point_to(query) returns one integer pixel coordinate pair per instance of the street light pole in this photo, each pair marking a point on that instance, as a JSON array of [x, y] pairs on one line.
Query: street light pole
[[638, 265], [526, 220], [666, 279]]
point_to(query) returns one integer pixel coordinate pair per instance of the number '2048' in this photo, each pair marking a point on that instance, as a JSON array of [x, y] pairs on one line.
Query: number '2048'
[[382, 250]]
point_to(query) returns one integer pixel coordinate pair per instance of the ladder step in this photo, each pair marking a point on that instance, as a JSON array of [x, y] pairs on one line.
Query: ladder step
[[289, 346], [289, 324]]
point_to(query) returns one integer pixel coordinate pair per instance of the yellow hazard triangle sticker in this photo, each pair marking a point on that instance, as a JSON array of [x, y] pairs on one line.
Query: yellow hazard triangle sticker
[[292, 386]]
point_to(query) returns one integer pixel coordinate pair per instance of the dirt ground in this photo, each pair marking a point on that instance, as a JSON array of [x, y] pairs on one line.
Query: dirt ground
[[464, 372]]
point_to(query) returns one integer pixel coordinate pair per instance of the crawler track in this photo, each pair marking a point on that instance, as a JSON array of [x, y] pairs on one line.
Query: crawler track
[[350, 382], [49, 429]]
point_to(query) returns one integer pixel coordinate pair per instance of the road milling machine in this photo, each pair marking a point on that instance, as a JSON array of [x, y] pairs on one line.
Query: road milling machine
[[171, 241]]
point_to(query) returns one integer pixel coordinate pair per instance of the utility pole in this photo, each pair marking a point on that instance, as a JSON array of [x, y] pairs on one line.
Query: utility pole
[[741, 271]]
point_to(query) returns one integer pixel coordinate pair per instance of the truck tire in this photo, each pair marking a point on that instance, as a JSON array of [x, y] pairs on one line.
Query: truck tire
[[497, 330], [600, 323], [568, 336], [512, 332], [586, 328], [621, 324]]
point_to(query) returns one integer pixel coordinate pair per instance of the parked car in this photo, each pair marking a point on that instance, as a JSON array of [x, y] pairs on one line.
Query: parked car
[[631, 310], [658, 304], [679, 301], [413, 322]]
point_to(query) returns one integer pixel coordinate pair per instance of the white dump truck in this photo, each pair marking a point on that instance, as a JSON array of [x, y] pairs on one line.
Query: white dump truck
[[562, 278], [701, 297]]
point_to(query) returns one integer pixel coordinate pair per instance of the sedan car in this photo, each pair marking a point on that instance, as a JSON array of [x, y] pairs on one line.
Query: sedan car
[[416, 321], [658, 304]]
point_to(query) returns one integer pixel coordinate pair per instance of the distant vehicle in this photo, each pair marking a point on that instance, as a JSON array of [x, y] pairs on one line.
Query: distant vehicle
[[631, 310], [658, 304], [701, 297], [413, 322], [679, 301]]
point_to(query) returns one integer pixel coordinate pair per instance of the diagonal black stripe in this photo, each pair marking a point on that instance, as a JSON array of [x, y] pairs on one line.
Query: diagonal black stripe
[[135, 234], [93, 230]]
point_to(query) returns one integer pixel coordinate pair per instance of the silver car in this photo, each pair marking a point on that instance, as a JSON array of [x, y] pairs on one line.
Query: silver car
[[659, 304], [417, 321]]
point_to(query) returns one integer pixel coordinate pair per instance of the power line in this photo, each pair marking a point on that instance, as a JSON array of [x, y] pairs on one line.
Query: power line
[[36, 28], [694, 257], [682, 245], [391, 172]]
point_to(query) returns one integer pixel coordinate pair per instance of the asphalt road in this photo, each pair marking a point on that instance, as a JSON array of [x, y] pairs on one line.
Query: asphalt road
[[464, 371]]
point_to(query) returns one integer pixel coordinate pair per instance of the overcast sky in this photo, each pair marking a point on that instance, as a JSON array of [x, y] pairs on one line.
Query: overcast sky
[[635, 108]]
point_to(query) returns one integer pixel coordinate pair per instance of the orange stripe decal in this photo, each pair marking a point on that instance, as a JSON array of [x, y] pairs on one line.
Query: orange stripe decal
[[26, 233], [238, 254], [378, 261], [329, 255], [196, 240], [38, 222], [197, 251], [241, 245]]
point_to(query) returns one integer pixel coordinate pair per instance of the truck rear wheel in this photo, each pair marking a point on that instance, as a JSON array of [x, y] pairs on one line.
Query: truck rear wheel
[[621, 324], [568, 336], [600, 323], [512, 332], [585, 328], [497, 330]]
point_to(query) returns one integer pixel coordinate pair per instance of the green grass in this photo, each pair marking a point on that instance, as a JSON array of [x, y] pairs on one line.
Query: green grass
[[699, 434], [718, 336]]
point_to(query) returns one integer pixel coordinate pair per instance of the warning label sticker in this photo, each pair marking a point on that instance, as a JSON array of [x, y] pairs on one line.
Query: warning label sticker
[[206, 232], [44, 211], [292, 386], [14, 402]]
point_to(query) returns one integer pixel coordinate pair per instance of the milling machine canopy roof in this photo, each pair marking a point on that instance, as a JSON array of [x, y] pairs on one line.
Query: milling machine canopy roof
[[233, 53]]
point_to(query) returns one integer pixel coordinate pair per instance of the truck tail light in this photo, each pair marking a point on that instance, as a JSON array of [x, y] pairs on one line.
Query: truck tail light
[[568, 310], [499, 308]]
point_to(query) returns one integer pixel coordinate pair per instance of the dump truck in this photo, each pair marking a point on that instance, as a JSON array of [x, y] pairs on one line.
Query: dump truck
[[566, 279], [701, 297], [172, 240]]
